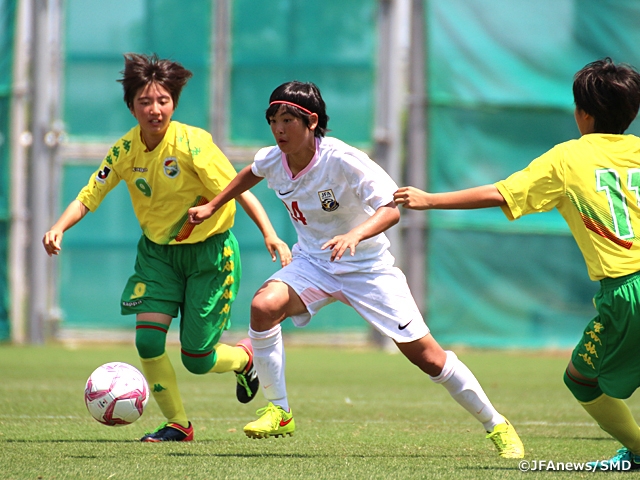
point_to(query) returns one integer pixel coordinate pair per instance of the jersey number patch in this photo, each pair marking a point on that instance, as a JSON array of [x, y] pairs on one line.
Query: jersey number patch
[[295, 212], [608, 181], [143, 186]]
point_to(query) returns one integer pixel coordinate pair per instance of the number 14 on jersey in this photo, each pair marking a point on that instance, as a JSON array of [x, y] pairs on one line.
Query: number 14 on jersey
[[295, 212]]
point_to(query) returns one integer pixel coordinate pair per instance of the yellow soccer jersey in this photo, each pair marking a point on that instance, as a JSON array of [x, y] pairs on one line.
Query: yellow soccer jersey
[[186, 169], [594, 182]]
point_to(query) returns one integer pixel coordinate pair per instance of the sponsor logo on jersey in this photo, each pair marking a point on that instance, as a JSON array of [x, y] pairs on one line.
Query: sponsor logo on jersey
[[103, 174], [140, 169], [328, 200], [171, 168], [282, 194]]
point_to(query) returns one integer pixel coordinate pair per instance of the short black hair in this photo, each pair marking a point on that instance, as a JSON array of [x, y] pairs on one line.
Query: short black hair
[[305, 94], [141, 70], [608, 92]]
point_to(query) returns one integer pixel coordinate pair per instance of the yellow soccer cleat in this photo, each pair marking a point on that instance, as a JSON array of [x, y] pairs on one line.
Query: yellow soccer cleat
[[506, 440], [273, 422]]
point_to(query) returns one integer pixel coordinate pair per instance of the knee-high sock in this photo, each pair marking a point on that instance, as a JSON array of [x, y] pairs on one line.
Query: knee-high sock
[[229, 358], [269, 360], [164, 387], [614, 417], [465, 389]]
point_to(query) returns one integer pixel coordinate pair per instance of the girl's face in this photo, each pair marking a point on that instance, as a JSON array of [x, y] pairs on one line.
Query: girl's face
[[291, 133], [153, 108]]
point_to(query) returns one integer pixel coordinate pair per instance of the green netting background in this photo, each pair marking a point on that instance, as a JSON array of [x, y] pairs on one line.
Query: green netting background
[[7, 22], [500, 75], [273, 42], [499, 89]]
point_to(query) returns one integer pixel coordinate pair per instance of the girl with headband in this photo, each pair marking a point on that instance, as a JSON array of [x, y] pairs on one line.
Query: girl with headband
[[341, 203]]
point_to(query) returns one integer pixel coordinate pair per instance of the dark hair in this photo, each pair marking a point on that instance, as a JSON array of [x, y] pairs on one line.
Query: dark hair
[[141, 70], [608, 92], [305, 94]]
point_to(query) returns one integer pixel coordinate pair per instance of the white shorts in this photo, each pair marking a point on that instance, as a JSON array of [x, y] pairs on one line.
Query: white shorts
[[382, 297]]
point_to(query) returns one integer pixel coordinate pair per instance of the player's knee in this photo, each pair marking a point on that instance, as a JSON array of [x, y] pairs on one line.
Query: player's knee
[[199, 364], [583, 390], [262, 305], [150, 343], [266, 311]]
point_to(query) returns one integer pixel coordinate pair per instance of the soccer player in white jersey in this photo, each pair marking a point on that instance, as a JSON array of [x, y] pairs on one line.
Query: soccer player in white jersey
[[193, 273], [594, 182], [340, 203]]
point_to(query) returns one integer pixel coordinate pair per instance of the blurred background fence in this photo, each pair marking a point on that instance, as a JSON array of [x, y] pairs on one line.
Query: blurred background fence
[[449, 94]]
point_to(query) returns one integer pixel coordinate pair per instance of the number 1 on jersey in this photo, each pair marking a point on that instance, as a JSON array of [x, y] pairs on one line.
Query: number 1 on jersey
[[608, 180], [295, 212]]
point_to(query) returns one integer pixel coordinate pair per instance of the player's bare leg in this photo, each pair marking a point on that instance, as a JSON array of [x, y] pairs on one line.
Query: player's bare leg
[[445, 368]]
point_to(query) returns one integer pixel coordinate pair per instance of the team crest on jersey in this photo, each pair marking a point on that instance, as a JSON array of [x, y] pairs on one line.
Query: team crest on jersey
[[171, 168], [328, 200]]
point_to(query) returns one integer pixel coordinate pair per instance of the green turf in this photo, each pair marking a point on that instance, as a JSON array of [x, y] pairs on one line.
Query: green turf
[[359, 414]]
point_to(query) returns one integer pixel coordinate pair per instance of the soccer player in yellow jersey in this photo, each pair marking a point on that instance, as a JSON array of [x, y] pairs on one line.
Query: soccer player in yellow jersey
[[594, 182], [181, 269]]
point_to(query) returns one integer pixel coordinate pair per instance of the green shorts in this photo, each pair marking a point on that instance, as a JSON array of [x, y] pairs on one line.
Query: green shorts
[[198, 281], [610, 347]]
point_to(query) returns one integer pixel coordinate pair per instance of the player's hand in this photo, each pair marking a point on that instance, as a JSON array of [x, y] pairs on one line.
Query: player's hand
[[199, 214], [274, 244], [340, 243], [411, 197], [51, 241]]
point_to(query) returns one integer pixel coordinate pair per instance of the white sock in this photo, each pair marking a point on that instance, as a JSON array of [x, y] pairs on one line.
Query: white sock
[[465, 389], [269, 360]]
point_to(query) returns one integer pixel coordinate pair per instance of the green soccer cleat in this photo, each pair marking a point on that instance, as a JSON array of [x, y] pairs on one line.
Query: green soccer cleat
[[273, 422], [506, 440], [623, 461]]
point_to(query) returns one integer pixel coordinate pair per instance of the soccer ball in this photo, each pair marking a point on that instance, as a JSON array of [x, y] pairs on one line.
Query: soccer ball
[[116, 394]]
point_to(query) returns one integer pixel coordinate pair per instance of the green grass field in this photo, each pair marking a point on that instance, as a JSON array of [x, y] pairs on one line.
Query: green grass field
[[359, 414]]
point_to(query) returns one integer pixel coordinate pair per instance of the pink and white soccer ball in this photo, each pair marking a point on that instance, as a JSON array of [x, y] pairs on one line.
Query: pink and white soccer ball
[[116, 394]]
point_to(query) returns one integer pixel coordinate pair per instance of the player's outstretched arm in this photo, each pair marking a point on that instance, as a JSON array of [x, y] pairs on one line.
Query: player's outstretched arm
[[243, 181], [477, 197], [256, 212], [52, 240], [385, 217]]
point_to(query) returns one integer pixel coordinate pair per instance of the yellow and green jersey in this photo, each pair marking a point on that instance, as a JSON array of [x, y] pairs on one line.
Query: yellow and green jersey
[[594, 182], [186, 169]]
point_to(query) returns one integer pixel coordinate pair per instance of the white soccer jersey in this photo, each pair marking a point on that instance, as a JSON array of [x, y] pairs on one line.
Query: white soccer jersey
[[339, 190]]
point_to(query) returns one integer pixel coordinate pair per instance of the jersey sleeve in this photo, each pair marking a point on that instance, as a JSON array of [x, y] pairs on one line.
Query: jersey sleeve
[[370, 181], [212, 166], [537, 188], [259, 166], [102, 180]]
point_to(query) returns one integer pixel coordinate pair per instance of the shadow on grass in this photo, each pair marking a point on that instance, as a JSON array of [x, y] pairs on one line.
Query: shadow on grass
[[158, 451], [68, 441], [571, 437], [488, 468], [313, 455]]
